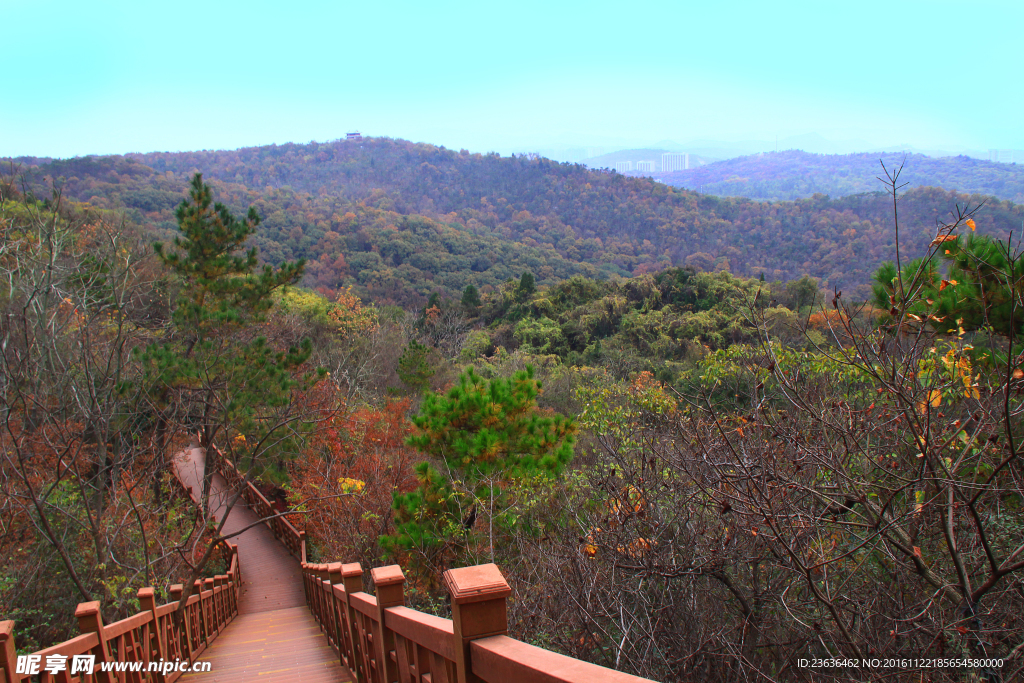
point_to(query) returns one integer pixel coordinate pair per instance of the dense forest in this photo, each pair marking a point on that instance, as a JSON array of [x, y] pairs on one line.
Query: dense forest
[[794, 174], [399, 220], [691, 459]]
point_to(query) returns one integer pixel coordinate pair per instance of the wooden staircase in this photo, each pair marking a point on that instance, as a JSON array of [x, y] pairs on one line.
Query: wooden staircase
[[290, 620]]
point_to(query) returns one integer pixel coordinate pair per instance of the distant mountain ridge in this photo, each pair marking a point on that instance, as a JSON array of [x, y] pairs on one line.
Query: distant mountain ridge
[[795, 174], [398, 220]]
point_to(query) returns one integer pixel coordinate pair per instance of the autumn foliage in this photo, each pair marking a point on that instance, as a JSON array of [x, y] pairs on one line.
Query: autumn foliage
[[356, 457]]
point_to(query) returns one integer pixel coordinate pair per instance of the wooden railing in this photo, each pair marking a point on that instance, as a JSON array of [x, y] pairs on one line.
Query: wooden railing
[[381, 640], [148, 636], [284, 530]]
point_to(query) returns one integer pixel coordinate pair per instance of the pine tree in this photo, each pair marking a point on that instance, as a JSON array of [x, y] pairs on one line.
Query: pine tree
[[470, 299], [414, 367], [482, 435], [215, 373], [527, 287]]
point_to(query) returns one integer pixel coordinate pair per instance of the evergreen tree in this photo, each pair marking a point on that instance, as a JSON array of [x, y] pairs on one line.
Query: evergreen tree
[[414, 367], [482, 435], [471, 299], [527, 287], [214, 372], [975, 292]]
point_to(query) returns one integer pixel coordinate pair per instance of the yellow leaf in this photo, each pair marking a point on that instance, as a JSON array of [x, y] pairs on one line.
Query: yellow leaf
[[970, 224], [349, 485], [935, 398]]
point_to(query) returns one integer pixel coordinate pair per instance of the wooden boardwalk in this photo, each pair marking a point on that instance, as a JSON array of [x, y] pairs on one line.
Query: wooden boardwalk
[[274, 637]]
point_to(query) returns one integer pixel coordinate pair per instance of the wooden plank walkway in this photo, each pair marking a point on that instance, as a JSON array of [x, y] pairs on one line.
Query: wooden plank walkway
[[274, 637]]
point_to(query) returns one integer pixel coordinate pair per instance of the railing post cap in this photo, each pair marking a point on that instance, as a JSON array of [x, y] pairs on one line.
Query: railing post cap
[[87, 609], [334, 567], [387, 576], [146, 592], [476, 584], [177, 587], [6, 630], [351, 569]]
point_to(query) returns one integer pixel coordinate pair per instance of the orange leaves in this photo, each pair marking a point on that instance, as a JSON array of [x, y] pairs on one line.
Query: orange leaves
[[632, 503], [825, 319], [360, 451], [350, 316], [934, 400], [970, 224], [942, 239], [946, 283]]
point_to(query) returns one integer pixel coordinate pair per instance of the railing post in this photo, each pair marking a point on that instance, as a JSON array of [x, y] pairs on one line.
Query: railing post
[[221, 581], [91, 621], [334, 570], [352, 578], [147, 601], [304, 572], [214, 625], [478, 611], [322, 575], [8, 654], [389, 587], [204, 614], [185, 633]]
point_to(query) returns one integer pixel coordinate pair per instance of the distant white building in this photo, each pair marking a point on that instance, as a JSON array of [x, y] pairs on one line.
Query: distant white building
[[645, 166], [1004, 156], [674, 162], [623, 166], [354, 135]]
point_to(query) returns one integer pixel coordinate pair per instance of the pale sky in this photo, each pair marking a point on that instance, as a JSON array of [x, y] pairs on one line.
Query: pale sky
[[115, 77]]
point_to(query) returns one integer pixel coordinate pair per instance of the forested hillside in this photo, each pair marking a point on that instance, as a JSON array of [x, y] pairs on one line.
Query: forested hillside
[[794, 174], [400, 220], [737, 473]]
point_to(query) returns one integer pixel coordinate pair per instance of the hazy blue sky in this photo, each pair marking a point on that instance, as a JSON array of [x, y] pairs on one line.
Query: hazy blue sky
[[112, 77]]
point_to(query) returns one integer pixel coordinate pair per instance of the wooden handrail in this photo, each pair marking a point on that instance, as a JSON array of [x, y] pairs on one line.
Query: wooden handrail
[[381, 640], [150, 635], [499, 659], [283, 530]]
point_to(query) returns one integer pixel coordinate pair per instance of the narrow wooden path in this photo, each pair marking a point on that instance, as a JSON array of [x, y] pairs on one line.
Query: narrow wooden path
[[274, 637]]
